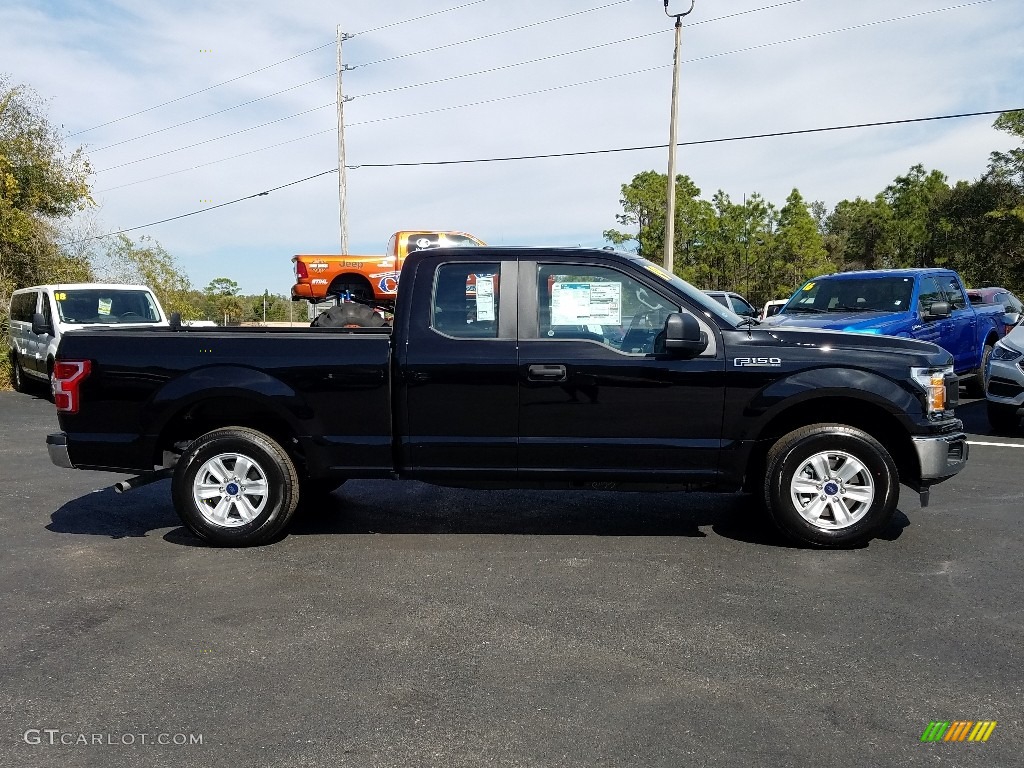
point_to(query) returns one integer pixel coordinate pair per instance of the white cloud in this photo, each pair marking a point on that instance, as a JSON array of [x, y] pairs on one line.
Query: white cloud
[[111, 59]]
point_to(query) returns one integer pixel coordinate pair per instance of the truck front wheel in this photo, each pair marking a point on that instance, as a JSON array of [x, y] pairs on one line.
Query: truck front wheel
[[975, 385], [235, 487], [829, 485]]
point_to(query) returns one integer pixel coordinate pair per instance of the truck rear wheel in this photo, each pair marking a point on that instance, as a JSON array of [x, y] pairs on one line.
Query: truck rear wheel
[[17, 375], [348, 315], [829, 485], [235, 487]]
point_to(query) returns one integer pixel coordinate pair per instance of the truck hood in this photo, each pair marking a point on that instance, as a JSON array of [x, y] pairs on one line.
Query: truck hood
[[865, 345], [879, 323]]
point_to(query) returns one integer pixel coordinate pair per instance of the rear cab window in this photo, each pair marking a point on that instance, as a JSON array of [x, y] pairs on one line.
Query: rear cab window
[[465, 300]]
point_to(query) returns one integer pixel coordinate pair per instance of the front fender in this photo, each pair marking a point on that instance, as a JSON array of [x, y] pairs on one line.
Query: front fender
[[848, 384]]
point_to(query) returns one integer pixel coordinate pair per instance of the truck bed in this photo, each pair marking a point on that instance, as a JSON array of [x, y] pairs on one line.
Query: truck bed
[[330, 386]]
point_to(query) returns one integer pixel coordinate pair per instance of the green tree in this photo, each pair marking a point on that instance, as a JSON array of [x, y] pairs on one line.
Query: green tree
[[146, 262], [221, 286], [799, 246], [644, 202], [40, 184]]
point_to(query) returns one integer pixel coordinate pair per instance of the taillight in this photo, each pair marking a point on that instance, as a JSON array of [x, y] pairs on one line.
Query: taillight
[[67, 376], [300, 270]]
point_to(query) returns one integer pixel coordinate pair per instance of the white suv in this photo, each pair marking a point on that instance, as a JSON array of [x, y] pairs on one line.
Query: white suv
[[40, 315]]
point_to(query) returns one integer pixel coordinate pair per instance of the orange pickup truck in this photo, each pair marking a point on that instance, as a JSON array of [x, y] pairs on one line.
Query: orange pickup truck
[[367, 278]]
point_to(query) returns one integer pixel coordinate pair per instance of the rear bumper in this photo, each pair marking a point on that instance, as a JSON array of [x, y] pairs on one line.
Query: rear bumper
[[57, 447], [941, 456]]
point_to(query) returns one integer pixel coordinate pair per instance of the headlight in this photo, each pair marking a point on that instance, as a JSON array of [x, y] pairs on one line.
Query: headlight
[[1002, 352], [933, 382]]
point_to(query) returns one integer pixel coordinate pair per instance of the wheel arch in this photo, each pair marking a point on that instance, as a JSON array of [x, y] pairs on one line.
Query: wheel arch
[[856, 412], [189, 407], [351, 278]]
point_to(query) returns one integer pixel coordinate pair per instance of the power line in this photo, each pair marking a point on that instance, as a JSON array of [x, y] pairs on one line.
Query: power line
[[562, 87], [212, 114], [202, 210], [419, 18], [487, 36], [201, 90], [268, 66], [747, 137]]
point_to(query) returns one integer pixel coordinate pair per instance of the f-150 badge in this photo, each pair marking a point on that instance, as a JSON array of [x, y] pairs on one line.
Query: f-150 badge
[[750, 362]]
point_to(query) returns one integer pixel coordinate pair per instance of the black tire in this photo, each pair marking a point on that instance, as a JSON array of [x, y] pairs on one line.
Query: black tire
[[975, 385], [18, 382], [833, 450], [1003, 418], [230, 517], [348, 315]]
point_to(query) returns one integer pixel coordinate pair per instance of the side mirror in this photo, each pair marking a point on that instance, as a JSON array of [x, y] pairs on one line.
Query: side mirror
[[937, 311], [683, 336], [40, 326]]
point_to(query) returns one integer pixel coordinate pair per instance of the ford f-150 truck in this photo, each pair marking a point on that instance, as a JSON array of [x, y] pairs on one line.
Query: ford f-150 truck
[[927, 304], [566, 368]]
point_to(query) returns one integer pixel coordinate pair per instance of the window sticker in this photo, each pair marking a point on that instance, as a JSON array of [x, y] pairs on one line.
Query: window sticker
[[808, 286], [104, 307], [586, 303], [484, 297], [60, 296]]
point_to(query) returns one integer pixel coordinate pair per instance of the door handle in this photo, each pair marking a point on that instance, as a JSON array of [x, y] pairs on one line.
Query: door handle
[[546, 373]]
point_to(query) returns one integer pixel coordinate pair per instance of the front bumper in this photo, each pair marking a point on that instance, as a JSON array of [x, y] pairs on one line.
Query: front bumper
[[1004, 382], [57, 447], [941, 456]]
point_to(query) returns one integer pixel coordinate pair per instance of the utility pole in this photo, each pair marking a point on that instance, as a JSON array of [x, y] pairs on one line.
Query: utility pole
[[670, 208], [342, 182]]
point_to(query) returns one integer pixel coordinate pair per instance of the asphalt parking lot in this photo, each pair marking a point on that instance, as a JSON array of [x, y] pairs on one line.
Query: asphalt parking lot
[[405, 625]]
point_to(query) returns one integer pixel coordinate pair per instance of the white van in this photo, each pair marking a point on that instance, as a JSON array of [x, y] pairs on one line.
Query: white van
[[39, 316]]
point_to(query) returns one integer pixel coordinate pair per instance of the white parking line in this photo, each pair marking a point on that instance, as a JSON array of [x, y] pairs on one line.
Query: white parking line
[[997, 445]]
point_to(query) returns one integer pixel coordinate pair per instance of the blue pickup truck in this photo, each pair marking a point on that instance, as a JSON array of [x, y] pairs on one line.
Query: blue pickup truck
[[926, 304]]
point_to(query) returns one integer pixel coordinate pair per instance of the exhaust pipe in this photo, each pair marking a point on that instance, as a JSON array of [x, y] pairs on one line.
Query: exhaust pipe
[[144, 479]]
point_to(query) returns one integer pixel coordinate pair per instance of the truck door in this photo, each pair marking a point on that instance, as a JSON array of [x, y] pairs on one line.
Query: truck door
[[457, 393], [960, 331], [597, 397]]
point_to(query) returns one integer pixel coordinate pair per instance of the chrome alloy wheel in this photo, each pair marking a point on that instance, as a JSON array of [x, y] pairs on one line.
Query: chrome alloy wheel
[[832, 490], [230, 490]]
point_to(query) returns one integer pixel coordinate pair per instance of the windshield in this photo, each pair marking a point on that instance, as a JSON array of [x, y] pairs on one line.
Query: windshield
[[106, 305], [707, 303], [854, 294]]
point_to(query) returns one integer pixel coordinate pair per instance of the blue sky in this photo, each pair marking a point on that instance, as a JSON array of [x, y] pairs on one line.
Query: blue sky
[[793, 65]]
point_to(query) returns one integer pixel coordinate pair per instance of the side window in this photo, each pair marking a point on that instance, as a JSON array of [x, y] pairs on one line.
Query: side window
[[24, 306], [955, 294], [47, 312], [602, 305], [930, 293], [720, 298], [465, 300]]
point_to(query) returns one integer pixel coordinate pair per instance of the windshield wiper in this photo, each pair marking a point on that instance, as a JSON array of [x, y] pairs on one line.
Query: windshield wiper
[[844, 308], [815, 310]]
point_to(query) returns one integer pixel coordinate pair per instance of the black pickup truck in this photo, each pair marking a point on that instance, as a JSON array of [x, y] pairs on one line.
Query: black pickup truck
[[516, 368]]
